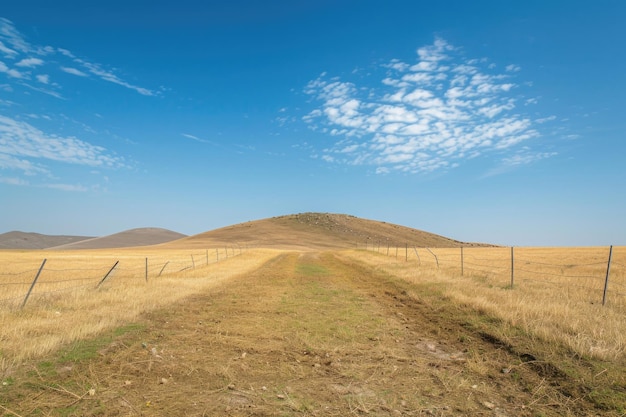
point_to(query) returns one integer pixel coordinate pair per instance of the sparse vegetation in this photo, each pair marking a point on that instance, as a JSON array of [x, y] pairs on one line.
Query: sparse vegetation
[[342, 332]]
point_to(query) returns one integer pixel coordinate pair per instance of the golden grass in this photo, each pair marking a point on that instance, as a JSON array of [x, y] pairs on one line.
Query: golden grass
[[557, 293], [66, 305]]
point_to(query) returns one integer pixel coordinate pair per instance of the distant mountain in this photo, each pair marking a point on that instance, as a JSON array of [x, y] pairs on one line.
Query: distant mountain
[[145, 236], [24, 240], [317, 231]]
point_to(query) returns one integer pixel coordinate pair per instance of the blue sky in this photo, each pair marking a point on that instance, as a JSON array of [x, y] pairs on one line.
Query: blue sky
[[493, 121]]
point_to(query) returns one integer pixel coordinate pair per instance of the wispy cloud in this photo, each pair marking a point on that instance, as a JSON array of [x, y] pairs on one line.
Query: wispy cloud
[[30, 62], [73, 71], [192, 137], [421, 117], [21, 143], [197, 139], [14, 46], [524, 156], [67, 187], [11, 72]]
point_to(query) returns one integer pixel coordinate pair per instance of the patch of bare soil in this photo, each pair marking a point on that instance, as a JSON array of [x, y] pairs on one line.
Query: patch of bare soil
[[306, 334]]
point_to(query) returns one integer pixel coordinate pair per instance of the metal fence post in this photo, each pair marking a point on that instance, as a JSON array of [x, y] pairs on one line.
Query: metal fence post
[[33, 284], [107, 274], [606, 280]]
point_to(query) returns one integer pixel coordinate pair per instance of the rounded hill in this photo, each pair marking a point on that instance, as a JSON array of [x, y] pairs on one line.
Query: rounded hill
[[317, 231]]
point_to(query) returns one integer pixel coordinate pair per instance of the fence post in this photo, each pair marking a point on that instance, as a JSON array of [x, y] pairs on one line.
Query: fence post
[[33, 284], [193, 264], [606, 280], [217, 255], [436, 259], [461, 260], [419, 261], [512, 268], [161, 271], [207, 257], [406, 252], [107, 275]]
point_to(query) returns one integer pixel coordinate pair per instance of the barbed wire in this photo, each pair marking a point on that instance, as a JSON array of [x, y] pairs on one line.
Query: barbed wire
[[555, 275], [558, 265], [29, 271]]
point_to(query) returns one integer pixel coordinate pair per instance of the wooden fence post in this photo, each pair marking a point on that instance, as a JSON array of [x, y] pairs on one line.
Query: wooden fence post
[[461, 260], [162, 269], [146, 269], [33, 284], [107, 274], [217, 255], [606, 280], [207, 257], [406, 252], [512, 268], [193, 264]]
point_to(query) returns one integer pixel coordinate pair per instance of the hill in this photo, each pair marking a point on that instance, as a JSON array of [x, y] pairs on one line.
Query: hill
[[145, 236], [25, 240], [317, 231]]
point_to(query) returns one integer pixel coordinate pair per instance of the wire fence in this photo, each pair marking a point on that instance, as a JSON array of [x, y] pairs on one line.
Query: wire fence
[[27, 281], [598, 274]]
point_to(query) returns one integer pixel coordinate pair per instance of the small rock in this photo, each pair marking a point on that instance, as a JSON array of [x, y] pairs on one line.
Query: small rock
[[280, 396], [231, 386], [163, 381], [92, 392], [127, 383], [243, 355], [264, 388]]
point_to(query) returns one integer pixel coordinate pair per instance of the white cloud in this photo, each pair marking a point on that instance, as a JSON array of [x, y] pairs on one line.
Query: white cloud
[[73, 71], [43, 78], [111, 77], [27, 167], [30, 62], [21, 140], [67, 187], [13, 44], [6, 51], [422, 117], [10, 35], [13, 181], [13, 73]]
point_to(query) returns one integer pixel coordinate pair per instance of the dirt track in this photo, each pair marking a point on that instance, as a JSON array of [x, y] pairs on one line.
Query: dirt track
[[306, 334]]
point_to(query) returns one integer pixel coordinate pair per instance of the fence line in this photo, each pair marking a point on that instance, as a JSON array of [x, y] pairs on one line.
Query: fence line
[[51, 277], [533, 265]]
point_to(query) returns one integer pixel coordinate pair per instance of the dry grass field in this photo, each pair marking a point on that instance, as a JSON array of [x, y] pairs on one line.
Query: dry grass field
[[336, 332], [66, 306], [557, 293]]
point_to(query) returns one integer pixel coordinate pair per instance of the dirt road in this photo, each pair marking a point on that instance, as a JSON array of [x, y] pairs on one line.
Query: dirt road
[[306, 334]]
